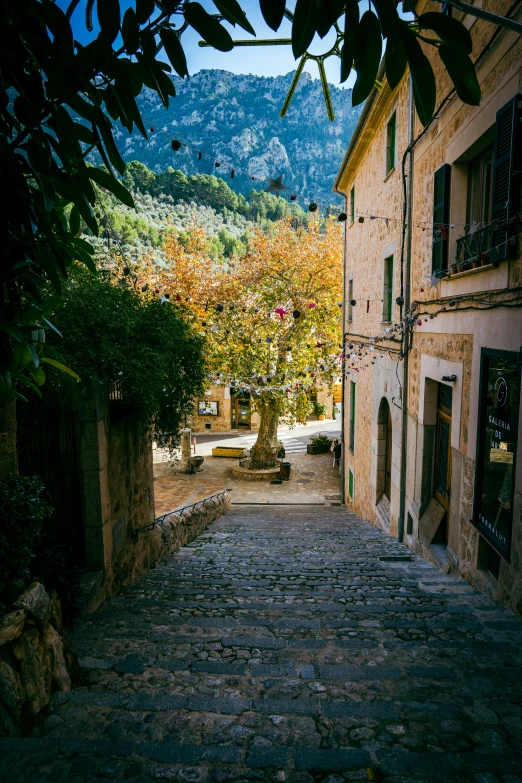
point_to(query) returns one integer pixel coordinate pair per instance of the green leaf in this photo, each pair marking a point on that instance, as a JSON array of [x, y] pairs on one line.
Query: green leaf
[[367, 56], [48, 191], [45, 258], [208, 27], [51, 326], [351, 29], [130, 31], [11, 330], [423, 80], [74, 195], [388, 16], [109, 18], [273, 12], [124, 88], [303, 27], [74, 221], [174, 50], [395, 60], [327, 14], [60, 366], [144, 9], [234, 14], [449, 30], [38, 375], [32, 350], [462, 73], [105, 129]]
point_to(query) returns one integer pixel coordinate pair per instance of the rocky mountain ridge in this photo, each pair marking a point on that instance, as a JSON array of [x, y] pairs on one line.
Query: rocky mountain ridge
[[235, 120]]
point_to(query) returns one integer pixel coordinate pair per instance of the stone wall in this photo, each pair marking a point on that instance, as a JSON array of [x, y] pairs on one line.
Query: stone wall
[[35, 657], [448, 343]]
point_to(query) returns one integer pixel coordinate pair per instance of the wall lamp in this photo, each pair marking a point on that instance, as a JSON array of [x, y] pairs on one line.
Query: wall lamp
[[449, 378]]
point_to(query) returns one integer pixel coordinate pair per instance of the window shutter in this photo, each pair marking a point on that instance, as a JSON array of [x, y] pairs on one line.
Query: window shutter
[[441, 191], [506, 174]]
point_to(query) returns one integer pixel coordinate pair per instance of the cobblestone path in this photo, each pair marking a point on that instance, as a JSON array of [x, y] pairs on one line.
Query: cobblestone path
[[287, 643]]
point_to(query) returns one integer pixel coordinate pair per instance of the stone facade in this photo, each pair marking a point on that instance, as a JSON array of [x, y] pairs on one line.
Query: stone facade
[[227, 419], [449, 331]]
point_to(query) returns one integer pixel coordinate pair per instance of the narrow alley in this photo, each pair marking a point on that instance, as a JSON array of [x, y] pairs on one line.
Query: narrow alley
[[287, 643]]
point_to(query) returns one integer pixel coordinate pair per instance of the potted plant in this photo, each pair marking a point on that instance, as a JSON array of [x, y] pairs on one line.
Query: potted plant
[[320, 410], [320, 444]]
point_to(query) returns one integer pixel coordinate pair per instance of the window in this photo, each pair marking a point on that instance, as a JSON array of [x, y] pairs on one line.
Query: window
[[387, 290], [441, 205], [350, 297], [352, 417], [350, 483], [480, 183], [352, 205], [391, 133]]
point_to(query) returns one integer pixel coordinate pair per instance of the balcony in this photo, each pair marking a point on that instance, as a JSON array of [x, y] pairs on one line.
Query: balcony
[[485, 246]]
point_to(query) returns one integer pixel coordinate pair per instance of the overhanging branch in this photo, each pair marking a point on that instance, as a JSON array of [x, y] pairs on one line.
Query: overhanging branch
[[488, 16]]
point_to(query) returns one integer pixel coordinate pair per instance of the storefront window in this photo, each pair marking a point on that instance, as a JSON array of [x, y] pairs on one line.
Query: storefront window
[[497, 447]]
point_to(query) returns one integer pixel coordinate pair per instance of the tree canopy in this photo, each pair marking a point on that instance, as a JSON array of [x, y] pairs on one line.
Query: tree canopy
[[271, 318], [60, 100]]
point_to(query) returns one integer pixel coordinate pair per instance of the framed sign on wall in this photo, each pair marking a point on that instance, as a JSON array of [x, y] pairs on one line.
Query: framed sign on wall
[[498, 416], [207, 408]]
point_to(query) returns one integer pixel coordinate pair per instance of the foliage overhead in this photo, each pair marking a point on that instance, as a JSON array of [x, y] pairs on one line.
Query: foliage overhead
[[113, 335], [48, 78]]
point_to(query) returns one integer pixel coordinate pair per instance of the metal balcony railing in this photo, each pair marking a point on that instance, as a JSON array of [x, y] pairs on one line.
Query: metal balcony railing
[[474, 246]]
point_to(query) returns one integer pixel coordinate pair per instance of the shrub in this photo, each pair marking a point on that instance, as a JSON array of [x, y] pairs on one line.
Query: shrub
[[114, 334], [321, 440], [23, 507], [56, 568], [320, 409]]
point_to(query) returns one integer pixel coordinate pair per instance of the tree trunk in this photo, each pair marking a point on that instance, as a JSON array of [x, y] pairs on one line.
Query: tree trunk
[[265, 446]]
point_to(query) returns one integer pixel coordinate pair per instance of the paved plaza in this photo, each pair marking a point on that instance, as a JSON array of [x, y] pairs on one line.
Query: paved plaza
[[287, 643]]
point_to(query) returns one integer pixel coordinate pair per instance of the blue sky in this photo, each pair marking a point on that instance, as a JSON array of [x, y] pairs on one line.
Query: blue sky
[[263, 61]]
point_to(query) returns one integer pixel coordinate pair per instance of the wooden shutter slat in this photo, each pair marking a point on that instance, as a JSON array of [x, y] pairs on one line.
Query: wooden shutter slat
[[441, 186], [506, 175]]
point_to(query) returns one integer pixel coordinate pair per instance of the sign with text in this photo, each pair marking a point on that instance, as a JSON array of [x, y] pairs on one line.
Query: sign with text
[[499, 403], [207, 408]]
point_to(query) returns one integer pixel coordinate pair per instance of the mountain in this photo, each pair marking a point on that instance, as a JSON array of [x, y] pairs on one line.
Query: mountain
[[235, 120]]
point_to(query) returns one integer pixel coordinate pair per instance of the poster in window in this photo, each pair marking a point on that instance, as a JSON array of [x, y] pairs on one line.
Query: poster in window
[[207, 408], [497, 447]]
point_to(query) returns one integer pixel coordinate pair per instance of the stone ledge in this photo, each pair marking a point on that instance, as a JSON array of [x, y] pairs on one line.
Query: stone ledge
[[255, 475]]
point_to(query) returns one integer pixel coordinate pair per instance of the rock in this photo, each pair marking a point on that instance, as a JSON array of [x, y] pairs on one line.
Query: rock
[[11, 626], [35, 670], [71, 659], [479, 713], [56, 611], [484, 777], [333, 779], [12, 696], [36, 603], [8, 726], [54, 649]]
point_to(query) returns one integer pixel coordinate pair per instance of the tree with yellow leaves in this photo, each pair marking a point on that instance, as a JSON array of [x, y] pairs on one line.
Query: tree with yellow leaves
[[272, 318]]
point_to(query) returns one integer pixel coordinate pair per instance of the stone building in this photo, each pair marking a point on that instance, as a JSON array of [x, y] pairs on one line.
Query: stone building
[[431, 424], [222, 409]]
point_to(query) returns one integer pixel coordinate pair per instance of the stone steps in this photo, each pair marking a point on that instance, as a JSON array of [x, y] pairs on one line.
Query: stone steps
[[277, 646]]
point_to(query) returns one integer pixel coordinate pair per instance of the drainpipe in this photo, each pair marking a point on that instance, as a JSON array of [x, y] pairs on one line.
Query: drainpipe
[[343, 362], [405, 293]]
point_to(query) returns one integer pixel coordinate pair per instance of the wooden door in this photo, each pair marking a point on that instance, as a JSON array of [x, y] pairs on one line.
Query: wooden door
[[388, 456], [442, 477]]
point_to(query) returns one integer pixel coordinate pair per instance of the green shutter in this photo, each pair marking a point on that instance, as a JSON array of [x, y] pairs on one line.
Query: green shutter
[[388, 288], [441, 191], [352, 205], [392, 133], [350, 483], [506, 174]]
